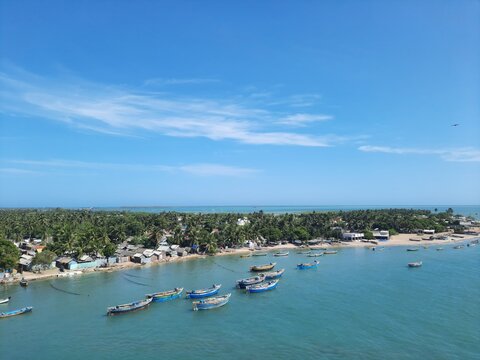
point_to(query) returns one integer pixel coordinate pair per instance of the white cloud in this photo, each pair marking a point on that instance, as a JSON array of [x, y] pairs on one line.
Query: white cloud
[[117, 110], [459, 154], [303, 119], [16, 171], [216, 170], [193, 81]]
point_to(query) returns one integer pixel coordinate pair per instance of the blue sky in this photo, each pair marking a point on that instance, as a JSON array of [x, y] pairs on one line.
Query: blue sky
[[112, 103]]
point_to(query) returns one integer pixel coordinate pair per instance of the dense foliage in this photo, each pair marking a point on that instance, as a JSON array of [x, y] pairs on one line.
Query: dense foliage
[[90, 232], [8, 255]]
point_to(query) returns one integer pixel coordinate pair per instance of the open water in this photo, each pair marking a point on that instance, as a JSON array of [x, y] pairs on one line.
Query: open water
[[358, 304]]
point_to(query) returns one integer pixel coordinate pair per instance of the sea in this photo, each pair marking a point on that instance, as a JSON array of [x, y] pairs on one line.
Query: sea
[[358, 304]]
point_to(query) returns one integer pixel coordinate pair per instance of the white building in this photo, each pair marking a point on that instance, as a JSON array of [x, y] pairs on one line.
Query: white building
[[381, 235], [352, 236]]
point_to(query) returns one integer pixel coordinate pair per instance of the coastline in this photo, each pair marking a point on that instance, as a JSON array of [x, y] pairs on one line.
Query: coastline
[[395, 240]]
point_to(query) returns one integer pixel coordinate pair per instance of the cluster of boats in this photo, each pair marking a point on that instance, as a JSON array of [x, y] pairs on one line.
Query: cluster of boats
[[6, 314]]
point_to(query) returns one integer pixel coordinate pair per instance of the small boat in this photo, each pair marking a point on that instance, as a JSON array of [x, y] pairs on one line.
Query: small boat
[[203, 293], [246, 255], [330, 252], [124, 308], [273, 274], [471, 244], [259, 254], [305, 266], [16, 312], [459, 247], [211, 303], [439, 249], [250, 281], [281, 253], [23, 282], [315, 254], [415, 264], [265, 267], [5, 301], [412, 249], [165, 295], [257, 288], [304, 252]]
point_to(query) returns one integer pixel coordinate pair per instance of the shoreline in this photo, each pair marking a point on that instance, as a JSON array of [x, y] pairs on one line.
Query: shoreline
[[394, 241]]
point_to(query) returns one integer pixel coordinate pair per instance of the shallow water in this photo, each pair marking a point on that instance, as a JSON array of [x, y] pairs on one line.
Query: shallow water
[[359, 303]]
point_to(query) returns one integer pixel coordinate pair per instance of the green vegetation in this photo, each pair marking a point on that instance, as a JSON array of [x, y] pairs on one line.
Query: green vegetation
[[80, 232], [9, 255], [44, 259]]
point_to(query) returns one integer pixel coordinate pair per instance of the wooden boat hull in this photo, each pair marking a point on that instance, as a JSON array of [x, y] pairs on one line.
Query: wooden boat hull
[[415, 264], [412, 249], [281, 254], [331, 252], [246, 255], [262, 287], [211, 303], [306, 266], [250, 281], [259, 254], [263, 267], [5, 301], [199, 294], [315, 254], [21, 311], [274, 274], [166, 295], [126, 308]]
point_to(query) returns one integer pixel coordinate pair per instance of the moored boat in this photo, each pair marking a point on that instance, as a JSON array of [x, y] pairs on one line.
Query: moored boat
[[439, 249], [5, 301], [265, 267], [124, 308], [304, 266], [259, 254], [16, 312], [211, 303], [203, 293], [165, 295], [246, 255], [412, 249], [262, 287], [415, 264], [250, 281], [281, 253], [273, 274], [315, 254], [23, 282], [459, 247], [330, 252]]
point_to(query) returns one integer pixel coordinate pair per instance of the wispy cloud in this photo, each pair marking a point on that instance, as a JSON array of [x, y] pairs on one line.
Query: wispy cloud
[[16, 171], [192, 81], [303, 119], [203, 169], [459, 154], [117, 110]]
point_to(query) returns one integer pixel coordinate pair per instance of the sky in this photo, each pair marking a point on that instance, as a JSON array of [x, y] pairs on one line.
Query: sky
[[165, 103]]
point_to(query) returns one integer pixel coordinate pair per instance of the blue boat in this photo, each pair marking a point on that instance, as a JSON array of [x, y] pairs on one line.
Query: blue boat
[[124, 308], [273, 274], [203, 293], [257, 288], [16, 312], [166, 295], [243, 283], [305, 266], [211, 303]]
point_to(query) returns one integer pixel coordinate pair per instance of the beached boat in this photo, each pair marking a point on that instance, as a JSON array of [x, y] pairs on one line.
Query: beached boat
[[5, 301], [273, 274], [304, 266], [250, 281], [23, 282], [330, 252], [415, 264], [259, 254], [315, 254], [124, 308], [265, 267], [165, 295], [16, 312], [412, 249], [281, 253], [203, 293], [211, 303], [257, 288]]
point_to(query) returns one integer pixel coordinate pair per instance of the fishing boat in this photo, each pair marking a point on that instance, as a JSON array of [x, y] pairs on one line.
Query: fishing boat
[[246, 255], [281, 253], [412, 249], [124, 308], [165, 295], [471, 244], [259, 254], [16, 312], [415, 264], [23, 282], [250, 281], [439, 249], [211, 303], [330, 252], [5, 301], [459, 247], [257, 288], [273, 274], [203, 293], [315, 254], [265, 267], [304, 266]]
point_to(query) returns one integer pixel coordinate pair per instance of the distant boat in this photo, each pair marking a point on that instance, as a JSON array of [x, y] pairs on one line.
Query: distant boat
[[203, 293], [211, 303], [315, 254], [165, 295], [305, 266], [250, 281], [439, 249], [259, 254], [23, 282], [415, 264], [472, 244], [15, 312], [330, 252], [124, 308], [281, 253], [5, 301], [459, 247], [257, 288], [304, 252], [246, 255], [265, 267], [412, 249], [273, 274]]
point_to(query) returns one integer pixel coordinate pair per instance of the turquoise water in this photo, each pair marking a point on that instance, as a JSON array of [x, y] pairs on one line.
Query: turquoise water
[[358, 304]]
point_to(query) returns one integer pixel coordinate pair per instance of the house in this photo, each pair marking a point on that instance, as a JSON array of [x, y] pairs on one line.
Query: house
[[181, 252], [25, 262], [381, 235], [353, 236], [431, 232], [242, 222], [63, 262]]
